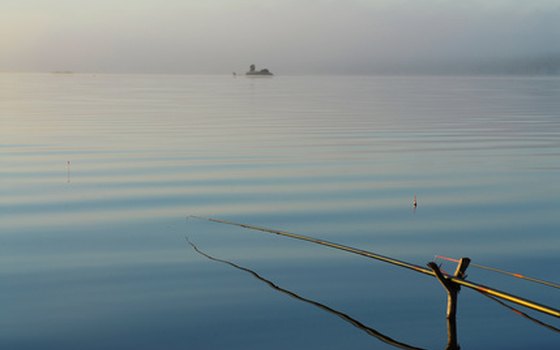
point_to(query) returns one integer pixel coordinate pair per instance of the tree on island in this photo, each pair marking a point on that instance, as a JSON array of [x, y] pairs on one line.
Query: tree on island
[[254, 71]]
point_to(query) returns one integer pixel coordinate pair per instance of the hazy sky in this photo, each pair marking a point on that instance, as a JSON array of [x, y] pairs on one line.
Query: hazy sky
[[287, 36]]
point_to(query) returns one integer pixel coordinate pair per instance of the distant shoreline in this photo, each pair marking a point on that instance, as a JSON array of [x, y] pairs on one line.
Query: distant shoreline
[[318, 74]]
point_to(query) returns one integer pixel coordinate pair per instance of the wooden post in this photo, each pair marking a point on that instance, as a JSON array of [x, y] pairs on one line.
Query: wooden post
[[452, 343], [452, 290]]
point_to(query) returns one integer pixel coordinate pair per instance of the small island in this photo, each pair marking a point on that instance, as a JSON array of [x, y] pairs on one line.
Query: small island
[[253, 71]]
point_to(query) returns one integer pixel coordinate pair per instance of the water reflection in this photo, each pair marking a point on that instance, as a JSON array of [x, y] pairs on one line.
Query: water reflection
[[354, 322], [68, 172], [522, 314]]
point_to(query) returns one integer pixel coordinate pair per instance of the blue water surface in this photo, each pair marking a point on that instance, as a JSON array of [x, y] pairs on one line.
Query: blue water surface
[[99, 174]]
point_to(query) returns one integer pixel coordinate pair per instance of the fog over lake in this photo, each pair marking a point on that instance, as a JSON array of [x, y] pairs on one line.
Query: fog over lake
[[291, 37]]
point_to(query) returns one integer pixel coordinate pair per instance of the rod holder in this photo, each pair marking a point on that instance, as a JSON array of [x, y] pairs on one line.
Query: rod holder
[[451, 287], [452, 290]]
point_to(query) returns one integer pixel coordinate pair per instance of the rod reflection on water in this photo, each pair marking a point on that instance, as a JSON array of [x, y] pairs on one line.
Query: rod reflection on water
[[522, 314], [354, 322]]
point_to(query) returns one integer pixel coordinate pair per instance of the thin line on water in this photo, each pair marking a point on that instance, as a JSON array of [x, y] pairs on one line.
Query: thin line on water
[[354, 322]]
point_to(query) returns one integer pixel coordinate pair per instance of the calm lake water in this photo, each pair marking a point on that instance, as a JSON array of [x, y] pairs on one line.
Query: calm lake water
[[98, 174]]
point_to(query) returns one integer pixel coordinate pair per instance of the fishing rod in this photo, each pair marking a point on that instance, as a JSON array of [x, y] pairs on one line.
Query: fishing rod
[[475, 286], [512, 274]]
